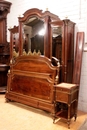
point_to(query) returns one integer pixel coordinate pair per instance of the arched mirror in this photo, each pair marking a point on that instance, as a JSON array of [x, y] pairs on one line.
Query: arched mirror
[[33, 35], [35, 32]]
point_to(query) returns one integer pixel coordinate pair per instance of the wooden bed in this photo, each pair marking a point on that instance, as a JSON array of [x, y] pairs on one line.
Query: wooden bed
[[31, 81]]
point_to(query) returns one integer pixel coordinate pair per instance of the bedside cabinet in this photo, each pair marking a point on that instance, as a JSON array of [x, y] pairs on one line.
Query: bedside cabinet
[[66, 98]]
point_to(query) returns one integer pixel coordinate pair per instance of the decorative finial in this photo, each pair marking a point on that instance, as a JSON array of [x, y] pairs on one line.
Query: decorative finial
[[19, 15], [10, 27], [66, 17], [46, 9]]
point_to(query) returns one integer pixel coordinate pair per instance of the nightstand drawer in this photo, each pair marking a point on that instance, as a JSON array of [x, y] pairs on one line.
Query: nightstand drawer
[[66, 93], [61, 97]]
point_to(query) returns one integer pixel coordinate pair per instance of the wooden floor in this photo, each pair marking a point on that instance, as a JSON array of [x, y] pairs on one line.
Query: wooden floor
[[16, 116]]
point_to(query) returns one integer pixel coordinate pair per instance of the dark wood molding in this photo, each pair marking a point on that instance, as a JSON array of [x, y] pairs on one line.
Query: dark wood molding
[[78, 57]]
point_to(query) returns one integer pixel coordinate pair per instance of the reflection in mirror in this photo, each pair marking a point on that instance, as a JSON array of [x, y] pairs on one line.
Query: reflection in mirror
[[33, 35], [57, 46], [57, 42]]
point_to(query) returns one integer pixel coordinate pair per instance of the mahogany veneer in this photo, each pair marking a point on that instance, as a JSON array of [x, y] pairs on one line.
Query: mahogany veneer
[[31, 80]]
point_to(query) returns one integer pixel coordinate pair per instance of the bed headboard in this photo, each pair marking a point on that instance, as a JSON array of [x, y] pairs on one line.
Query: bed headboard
[[33, 76]]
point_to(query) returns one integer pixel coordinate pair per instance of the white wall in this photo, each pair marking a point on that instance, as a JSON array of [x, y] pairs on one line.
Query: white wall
[[75, 10]]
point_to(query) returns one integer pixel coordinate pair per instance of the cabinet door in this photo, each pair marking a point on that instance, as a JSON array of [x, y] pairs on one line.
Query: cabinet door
[[63, 48], [68, 50]]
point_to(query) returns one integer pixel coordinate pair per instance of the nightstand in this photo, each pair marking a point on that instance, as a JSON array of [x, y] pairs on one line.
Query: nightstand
[[66, 98]]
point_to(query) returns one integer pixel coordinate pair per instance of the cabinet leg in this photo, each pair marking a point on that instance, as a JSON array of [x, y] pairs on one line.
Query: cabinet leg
[[75, 117], [54, 120], [68, 124], [69, 107], [7, 100]]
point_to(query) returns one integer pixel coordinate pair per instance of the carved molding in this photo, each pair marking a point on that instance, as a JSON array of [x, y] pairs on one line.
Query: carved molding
[[4, 8]]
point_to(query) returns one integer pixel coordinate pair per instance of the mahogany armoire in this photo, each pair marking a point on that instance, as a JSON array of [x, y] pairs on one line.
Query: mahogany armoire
[[58, 40]]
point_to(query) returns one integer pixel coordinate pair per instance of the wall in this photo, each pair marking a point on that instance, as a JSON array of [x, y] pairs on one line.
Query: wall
[[75, 10]]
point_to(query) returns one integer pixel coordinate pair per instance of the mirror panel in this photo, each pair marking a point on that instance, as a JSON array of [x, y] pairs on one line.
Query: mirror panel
[[57, 46], [33, 35], [57, 42]]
